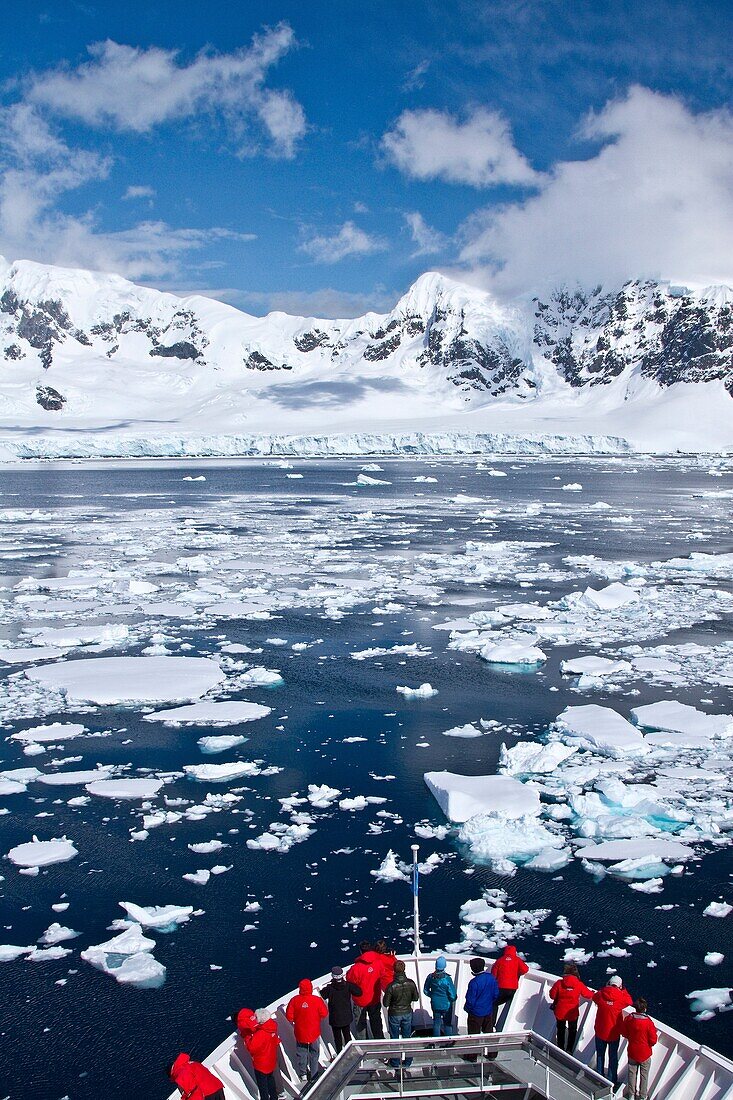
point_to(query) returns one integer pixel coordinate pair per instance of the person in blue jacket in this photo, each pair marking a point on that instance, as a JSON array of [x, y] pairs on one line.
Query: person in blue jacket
[[442, 993], [482, 995]]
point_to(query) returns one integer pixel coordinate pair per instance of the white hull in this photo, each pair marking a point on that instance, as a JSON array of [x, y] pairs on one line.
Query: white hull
[[681, 1069]]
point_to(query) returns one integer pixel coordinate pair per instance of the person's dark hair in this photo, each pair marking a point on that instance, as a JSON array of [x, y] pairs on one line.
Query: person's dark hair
[[571, 968], [399, 967], [640, 1004], [477, 965], [365, 945], [382, 947]]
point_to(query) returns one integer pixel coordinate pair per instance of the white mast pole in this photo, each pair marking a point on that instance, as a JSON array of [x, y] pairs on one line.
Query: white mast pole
[[416, 899]]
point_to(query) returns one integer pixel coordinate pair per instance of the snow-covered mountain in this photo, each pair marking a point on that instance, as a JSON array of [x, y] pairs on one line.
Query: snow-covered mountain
[[94, 364]]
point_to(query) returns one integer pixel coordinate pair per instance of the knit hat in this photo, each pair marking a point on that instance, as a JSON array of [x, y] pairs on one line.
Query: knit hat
[[337, 972], [440, 963], [615, 980]]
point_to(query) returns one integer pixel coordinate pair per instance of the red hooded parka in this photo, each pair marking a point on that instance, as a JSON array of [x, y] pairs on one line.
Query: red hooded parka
[[262, 1044], [509, 968], [246, 1022], [565, 996], [388, 961], [305, 1013], [641, 1033], [193, 1080], [610, 1002], [367, 972]]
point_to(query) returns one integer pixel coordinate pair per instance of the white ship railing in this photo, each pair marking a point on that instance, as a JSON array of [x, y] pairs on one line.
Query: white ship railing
[[681, 1068]]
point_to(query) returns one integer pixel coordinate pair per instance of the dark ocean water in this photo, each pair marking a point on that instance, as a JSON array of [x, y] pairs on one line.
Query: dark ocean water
[[92, 1038]]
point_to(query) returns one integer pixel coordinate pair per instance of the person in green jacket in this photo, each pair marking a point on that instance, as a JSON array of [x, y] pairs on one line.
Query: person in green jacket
[[440, 989], [399, 997]]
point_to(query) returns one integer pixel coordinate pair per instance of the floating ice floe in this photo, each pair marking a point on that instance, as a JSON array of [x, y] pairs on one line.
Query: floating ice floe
[[717, 909], [601, 729], [389, 870], [42, 853], [512, 651], [466, 731], [127, 959], [259, 677], [706, 1002], [364, 479], [57, 933], [79, 778], [593, 666], [425, 691], [211, 713], [658, 849], [672, 717], [223, 773], [713, 958], [213, 745], [30, 654], [125, 788], [534, 758], [461, 797], [111, 680], [165, 918], [610, 598], [57, 732], [207, 846], [10, 952]]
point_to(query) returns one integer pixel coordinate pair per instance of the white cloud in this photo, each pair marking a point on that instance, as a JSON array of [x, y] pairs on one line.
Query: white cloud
[[138, 191], [480, 151], [656, 200], [39, 168], [427, 239], [350, 240], [128, 88], [124, 88]]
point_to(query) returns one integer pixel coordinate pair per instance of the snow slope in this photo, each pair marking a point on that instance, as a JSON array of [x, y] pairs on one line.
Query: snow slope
[[94, 365]]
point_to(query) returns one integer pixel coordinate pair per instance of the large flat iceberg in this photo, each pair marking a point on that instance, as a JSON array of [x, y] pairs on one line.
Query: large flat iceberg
[[109, 680], [602, 730], [210, 713], [461, 797], [668, 716], [42, 853]]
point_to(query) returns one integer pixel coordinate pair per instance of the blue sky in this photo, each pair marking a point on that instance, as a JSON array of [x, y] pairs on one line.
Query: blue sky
[[318, 157]]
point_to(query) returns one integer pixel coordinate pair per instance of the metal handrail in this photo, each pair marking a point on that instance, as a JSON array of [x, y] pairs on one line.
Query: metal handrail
[[577, 1077]]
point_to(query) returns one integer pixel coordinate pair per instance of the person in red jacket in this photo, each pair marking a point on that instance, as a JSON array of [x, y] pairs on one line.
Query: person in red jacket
[[639, 1031], [507, 970], [565, 996], [262, 1044], [245, 1021], [194, 1081], [610, 1003], [305, 1012], [388, 961], [367, 973]]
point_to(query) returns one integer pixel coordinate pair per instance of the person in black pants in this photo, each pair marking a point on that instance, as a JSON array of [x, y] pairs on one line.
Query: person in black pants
[[337, 995]]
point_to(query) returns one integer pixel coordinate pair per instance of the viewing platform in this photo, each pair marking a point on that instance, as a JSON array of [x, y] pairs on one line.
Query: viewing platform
[[520, 1061]]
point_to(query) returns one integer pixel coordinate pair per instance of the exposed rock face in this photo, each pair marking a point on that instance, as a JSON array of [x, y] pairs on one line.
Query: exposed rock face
[[670, 335], [257, 361], [181, 350], [49, 398]]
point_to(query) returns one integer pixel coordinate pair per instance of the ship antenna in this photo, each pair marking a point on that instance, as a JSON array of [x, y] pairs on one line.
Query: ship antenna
[[416, 899]]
